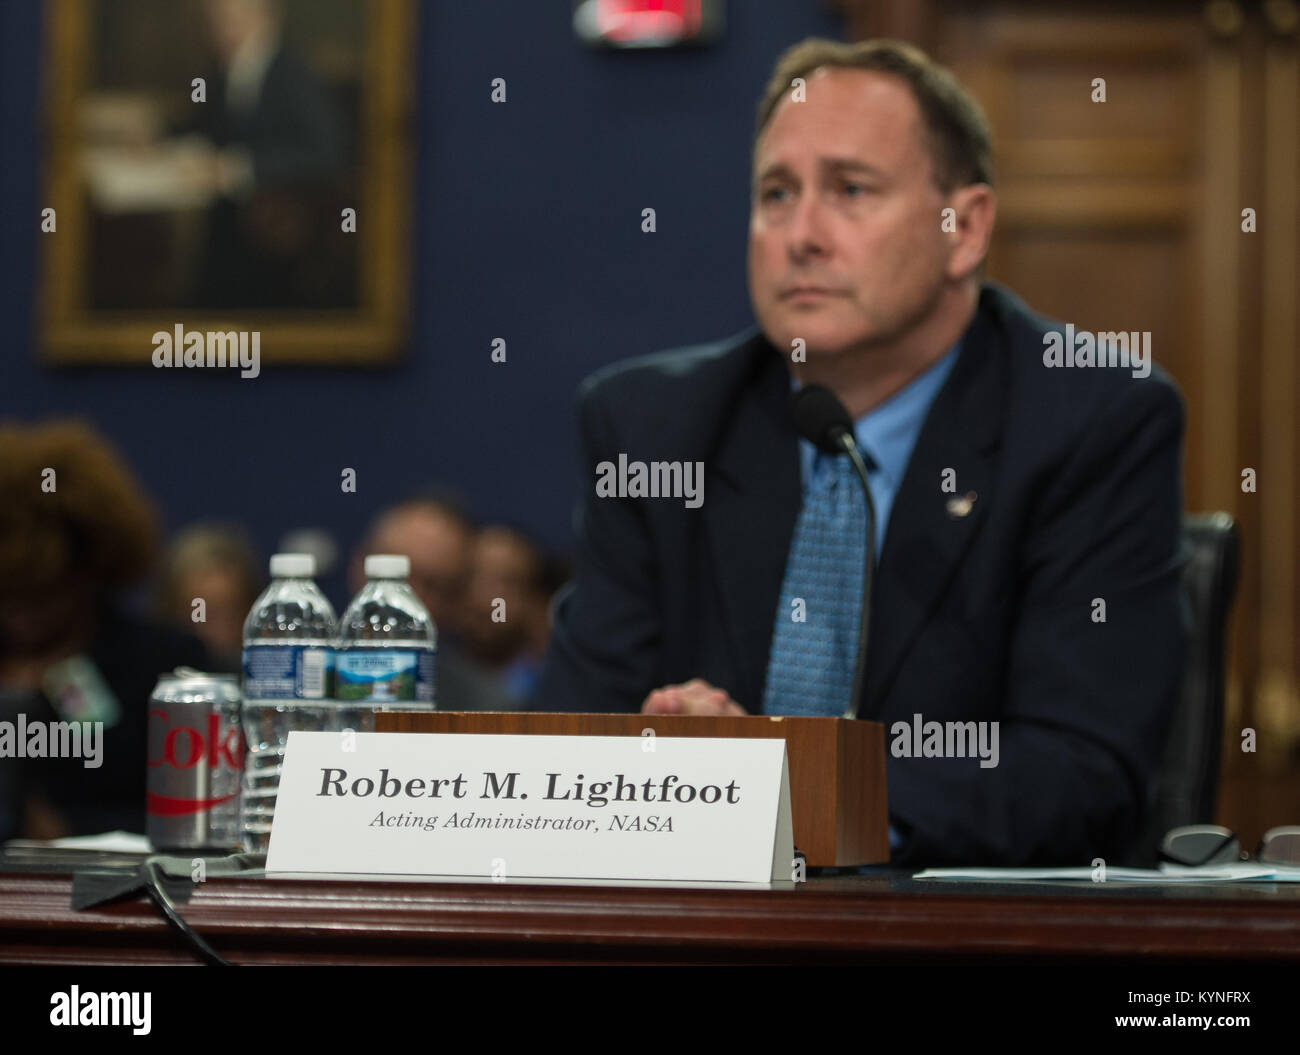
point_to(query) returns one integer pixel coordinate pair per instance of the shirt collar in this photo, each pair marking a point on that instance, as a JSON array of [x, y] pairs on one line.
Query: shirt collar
[[888, 432]]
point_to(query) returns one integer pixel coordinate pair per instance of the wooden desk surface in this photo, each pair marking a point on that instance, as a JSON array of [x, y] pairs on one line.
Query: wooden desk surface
[[882, 917]]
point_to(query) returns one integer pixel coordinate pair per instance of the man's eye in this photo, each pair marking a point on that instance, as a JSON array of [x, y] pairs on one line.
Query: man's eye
[[774, 194], [856, 190]]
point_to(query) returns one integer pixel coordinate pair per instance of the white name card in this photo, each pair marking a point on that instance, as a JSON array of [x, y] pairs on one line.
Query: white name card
[[533, 807]]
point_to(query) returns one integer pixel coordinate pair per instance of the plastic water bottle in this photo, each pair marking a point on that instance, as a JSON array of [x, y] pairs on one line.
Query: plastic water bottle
[[386, 647], [288, 682]]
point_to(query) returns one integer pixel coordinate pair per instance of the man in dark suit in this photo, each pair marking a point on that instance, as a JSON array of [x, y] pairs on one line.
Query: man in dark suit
[[277, 160], [1028, 567]]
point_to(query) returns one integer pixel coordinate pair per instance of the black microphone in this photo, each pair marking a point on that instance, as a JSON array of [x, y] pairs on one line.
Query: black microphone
[[819, 417]]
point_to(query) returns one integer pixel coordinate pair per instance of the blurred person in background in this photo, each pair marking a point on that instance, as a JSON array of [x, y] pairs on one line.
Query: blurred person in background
[[76, 530], [508, 618], [215, 564], [434, 531]]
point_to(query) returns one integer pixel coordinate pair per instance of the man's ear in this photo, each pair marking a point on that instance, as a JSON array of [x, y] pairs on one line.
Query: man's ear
[[974, 210]]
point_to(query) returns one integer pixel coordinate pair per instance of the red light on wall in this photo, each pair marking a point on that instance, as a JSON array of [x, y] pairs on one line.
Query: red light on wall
[[646, 23]]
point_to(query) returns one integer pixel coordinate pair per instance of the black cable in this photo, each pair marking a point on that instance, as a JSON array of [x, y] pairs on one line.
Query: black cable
[[868, 577], [158, 893]]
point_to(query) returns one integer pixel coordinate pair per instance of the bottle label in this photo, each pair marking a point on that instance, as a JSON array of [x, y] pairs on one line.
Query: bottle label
[[288, 672], [384, 675]]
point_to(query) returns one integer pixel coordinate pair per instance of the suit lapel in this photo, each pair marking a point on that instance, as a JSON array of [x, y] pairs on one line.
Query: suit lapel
[[754, 502], [750, 516], [930, 529]]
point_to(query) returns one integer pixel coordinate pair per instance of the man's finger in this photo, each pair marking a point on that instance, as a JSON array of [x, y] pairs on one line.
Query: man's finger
[[662, 701]]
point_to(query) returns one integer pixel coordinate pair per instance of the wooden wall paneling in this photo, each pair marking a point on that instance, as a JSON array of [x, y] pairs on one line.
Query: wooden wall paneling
[[910, 20], [1278, 694], [1217, 418], [1128, 215], [1097, 200]]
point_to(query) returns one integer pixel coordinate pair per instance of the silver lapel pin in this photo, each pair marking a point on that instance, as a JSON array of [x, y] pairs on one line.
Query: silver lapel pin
[[960, 505]]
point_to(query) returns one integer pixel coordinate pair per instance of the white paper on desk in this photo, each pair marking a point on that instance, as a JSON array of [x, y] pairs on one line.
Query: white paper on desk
[[1237, 870], [1223, 873], [116, 842]]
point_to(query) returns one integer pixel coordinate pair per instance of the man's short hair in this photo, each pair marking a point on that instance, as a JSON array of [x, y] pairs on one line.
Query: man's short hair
[[957, 131]]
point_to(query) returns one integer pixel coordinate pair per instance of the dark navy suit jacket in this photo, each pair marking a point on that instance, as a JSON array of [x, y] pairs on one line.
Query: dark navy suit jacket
[[991, 616]]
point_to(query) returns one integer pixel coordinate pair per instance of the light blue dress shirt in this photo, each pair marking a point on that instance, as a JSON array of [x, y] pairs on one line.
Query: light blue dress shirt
[[888, 433]]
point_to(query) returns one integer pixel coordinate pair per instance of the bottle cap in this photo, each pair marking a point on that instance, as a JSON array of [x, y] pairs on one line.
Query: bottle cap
[[387, 566], [293, 566]]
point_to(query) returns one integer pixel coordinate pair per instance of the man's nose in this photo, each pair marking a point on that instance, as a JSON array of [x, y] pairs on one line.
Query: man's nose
[[807, 231]]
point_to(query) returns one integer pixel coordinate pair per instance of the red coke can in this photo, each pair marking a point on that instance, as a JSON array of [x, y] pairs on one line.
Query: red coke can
[[196, 762]]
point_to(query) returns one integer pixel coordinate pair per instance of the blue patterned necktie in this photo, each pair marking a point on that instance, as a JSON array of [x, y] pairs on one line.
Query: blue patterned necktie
[[815, 641]]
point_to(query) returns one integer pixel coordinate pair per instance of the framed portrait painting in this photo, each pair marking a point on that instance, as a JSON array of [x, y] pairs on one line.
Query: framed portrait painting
[[227, 166]]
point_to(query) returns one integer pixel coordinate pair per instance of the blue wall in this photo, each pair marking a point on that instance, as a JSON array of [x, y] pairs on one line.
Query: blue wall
[[527, 226]]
